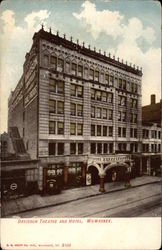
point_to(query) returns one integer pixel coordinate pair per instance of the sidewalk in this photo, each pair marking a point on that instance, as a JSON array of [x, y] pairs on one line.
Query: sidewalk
[[13, 207]]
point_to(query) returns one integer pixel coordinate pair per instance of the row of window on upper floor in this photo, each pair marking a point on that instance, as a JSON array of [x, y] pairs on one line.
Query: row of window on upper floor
[[148, 134], [152, 148], [89, 73], [98, 130], [57, 107], [98, 95], [95, 148], [58, 128]]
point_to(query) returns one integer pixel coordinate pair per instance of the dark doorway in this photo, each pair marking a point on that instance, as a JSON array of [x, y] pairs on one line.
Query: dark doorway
[[116, 173], [94, 174]]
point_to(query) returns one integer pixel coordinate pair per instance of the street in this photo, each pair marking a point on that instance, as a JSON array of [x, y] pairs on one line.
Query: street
[[142, 201]]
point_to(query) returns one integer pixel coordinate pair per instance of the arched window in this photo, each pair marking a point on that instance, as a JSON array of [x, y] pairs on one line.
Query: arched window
[[53, 61], [60, 64], [74, 68], [67, 65], [80, 70]]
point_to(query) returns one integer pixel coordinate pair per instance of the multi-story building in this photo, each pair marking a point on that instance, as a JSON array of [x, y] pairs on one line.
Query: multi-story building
[[151, 137], [77, 110]]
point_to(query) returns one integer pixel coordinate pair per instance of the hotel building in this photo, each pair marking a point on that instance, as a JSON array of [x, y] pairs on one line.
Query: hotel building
[[78, 111]]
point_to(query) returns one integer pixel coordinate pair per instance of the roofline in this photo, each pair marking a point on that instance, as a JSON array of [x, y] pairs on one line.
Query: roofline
[[41, 34]]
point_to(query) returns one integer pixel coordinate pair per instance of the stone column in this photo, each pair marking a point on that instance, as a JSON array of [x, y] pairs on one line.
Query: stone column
[[84, 167], [102, 189], [65, 175]]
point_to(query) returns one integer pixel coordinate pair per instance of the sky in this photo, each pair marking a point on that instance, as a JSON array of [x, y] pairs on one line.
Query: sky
[[128, 29]]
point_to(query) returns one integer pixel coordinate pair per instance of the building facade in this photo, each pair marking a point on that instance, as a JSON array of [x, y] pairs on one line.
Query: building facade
[[78, 111], [151, 137]]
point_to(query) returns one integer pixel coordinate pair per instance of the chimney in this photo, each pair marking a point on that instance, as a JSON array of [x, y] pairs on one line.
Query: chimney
[[153, 99]]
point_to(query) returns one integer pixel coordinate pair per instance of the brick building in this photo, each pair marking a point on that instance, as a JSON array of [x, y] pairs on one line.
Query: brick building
[[151, 137], [78, 111]]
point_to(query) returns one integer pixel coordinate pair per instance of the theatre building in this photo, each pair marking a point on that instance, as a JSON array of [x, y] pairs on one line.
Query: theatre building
[[78, 112]]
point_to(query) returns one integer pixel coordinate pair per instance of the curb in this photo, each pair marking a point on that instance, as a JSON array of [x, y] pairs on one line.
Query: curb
[[80, 198]]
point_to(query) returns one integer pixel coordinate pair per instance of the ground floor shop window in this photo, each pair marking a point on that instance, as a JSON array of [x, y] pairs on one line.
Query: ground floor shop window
[[75, 174]]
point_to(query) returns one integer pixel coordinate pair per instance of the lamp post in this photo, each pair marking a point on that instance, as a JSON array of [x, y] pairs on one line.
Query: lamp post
[[127, 177]]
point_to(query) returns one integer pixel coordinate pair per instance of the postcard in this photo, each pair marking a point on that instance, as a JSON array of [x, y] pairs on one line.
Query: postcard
[[80, 124]]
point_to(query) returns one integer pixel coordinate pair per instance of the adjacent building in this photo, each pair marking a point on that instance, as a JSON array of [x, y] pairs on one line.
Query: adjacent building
[[151, 137], [78, 111]]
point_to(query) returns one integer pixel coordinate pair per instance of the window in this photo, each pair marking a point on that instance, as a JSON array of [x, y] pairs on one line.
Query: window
[[73, 90], [122, 100], [104, 96], [52, 106], [97, 76], [80, 148], [99, 148], [105, 148], [60, 148], [92, 112], [110, 114], [91, 74], [53, 61], [60, 107], [119, 132], [74, 69], [67, 67], [135, 88], [79, 91], [104, 130], [86, 72], [124, 84], [60, 87], [135, 133], [131, 132], [111, 148], [98, 112], [133, 103], [101, 77], [80, 70], [119, 116], [92, 130], [93, 148], [98, 95], [104, 113], [110, 131], [73, 109], [80, 110], [110, 97], [107, 79], [159, 135], [111, 80], [72, 148], [98, 130], [52, 148], [92, 94], [52, 84], [80, 129], [46, 60], [52, 127], [60, 128], [124, 132], [72, 128], [120, 83], [60, 66], [124, 116]]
